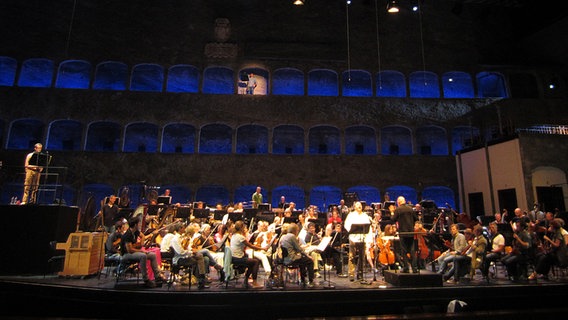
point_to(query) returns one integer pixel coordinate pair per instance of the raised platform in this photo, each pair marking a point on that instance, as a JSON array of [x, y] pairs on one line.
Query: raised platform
[[423, 279]]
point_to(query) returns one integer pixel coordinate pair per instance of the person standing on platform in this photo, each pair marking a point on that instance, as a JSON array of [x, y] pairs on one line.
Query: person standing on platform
[[251, 84], [406, 217], [33, 173], [257, 197], [356, 240]]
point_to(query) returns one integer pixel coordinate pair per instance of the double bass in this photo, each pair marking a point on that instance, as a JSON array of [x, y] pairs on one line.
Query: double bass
[[423, 251]]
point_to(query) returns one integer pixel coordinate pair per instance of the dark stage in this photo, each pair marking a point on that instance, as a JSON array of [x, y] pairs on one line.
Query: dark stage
[[28, 288]]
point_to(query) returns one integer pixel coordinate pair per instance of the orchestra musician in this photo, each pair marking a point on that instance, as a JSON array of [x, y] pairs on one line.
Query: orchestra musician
[[522, 244], [357, 241], [296, 255], [110, 213], [257, 238], [256, 197], [312, 240], [112, 245], [238, 244], [184, 255], [468, 256], [204, 243], [554, 253], [131, 250], [384, 243], [457, 244], [335, 248], [406, 217], [497, 242]]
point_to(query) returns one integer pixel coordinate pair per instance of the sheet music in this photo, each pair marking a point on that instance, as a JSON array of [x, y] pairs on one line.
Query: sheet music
[[324, 243]]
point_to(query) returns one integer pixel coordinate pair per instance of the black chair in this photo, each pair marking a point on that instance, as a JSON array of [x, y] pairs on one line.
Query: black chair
[[175, 271], [285, 268], [232, 270], [54, 259], [126, 268]]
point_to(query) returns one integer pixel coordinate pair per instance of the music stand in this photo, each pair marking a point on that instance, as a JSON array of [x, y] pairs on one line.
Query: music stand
[[322, 246], [201, 213], [360, 229], [219, 214], [167, 200], [183, 212], [290, 220], [40, 160], [265, 207], [235, 216]]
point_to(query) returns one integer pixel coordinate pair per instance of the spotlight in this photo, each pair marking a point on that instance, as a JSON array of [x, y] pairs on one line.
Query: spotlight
[[299, 2], [392, 6]]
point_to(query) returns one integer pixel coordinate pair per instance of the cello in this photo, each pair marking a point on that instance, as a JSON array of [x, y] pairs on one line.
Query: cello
[[386, 255]]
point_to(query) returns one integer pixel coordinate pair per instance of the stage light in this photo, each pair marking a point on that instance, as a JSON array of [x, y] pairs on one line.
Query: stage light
[[299, 2], [392, 6]]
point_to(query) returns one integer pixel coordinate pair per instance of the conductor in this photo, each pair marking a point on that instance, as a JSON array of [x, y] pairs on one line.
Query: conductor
[[406, 217]]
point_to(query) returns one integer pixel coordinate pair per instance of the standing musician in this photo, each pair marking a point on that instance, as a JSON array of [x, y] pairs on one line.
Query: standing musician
[[110, 213], [357, 241], [406, 217]]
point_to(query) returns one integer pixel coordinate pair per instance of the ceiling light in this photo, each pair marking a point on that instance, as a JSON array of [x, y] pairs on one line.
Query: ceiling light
[[392, 6], [299, 2]]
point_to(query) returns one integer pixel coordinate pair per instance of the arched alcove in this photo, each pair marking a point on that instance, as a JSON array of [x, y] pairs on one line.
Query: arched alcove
[[424, 84], [111, 75], [74, 74], [262, 80], [8, 68], [288, 139], [407, 192], [323, 196], [218, 80], [212, 194], [179, 193], [463, 137], [178, 138], [141, 137], [323, 82], [491, 85], [244, 194], [103, 136], [288, 81], [440, 195], [396, 140], [183, 78], [324, 140], [356, 83], [252, 139], [360, 140], [36, 73], [24, 133], [390, 84], [147, 77], [431, 140], [216, 139], [292, 193], [65, 135], [369, 194], [457, 84]]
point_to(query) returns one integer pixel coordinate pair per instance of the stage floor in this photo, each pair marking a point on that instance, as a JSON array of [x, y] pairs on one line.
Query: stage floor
[[101, 297]]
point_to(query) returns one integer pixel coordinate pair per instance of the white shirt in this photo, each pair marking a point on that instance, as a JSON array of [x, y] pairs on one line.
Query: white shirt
[[357, 218]]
